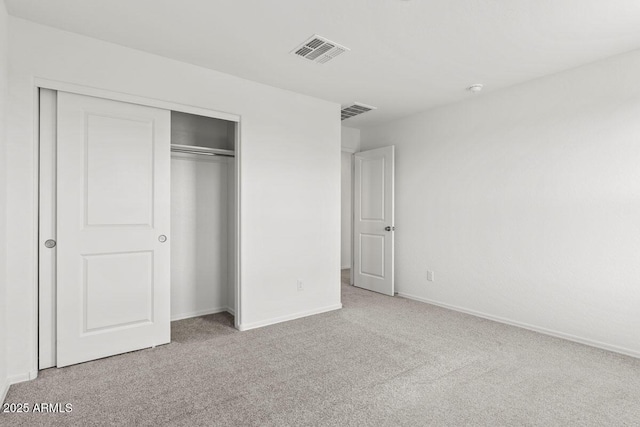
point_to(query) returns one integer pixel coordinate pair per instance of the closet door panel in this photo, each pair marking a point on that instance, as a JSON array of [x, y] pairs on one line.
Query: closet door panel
[[113, 188], [119, 188]]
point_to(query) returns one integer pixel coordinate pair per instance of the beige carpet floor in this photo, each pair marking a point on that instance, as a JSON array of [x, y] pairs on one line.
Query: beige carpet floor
[[380, 361]]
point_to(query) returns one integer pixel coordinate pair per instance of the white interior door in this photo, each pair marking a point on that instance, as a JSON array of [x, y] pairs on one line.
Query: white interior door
[[373, 223], [113, 216]]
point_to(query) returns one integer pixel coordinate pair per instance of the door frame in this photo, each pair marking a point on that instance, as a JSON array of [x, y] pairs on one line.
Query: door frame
[[40, 83], [351, 152]]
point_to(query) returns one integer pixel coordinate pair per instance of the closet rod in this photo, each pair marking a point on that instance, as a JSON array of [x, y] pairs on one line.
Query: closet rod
[[188, 149]]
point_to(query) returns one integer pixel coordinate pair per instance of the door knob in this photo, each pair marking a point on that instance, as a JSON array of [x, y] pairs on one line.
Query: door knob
[[50, 244], [162, 238], [389, 228]]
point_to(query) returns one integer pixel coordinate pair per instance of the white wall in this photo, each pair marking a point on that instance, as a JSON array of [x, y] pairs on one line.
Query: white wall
[[345, 252], [290, 169], [350, 139], [4, 34], [350, 144], [526, 203]]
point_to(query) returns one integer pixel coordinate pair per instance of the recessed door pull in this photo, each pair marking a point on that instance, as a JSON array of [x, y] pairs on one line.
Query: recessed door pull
[[50, 244], [162, 238]]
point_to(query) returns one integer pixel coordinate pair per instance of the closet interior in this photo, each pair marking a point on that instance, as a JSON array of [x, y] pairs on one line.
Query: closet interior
[[203, 201]]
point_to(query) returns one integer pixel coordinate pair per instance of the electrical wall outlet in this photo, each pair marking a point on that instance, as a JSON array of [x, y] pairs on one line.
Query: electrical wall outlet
[[430, 276], [300, 286]]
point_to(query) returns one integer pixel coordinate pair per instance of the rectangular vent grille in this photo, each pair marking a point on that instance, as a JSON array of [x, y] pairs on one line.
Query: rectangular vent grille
[[354, 110], [318, 49]]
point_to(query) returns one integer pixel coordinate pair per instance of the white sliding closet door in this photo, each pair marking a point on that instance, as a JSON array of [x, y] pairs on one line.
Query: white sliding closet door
[[113, 217]]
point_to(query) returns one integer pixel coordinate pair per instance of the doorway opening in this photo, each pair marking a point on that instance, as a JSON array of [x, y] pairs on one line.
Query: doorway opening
[[368, 219], [346, 217]]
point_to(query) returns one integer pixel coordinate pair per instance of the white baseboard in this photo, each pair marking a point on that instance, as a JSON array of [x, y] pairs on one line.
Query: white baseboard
[[197, 313], [273, 321], [3, 392], [545, 331], [20, 378]]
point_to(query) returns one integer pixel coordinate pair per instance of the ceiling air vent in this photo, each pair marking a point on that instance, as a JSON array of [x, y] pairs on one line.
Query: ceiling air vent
[[354, 110], [318, 49]]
